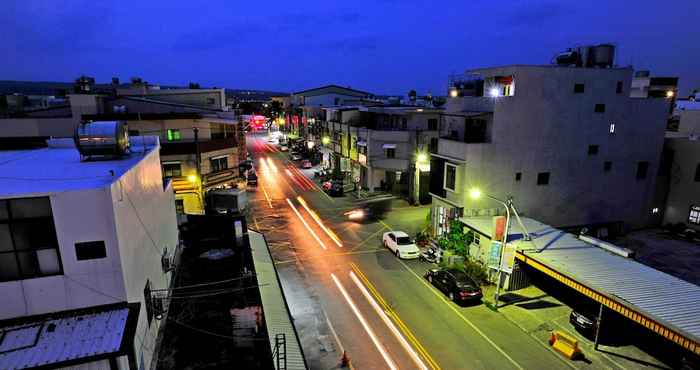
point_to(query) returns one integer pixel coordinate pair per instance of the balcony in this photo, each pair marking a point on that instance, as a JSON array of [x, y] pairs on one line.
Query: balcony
[[218, 178]]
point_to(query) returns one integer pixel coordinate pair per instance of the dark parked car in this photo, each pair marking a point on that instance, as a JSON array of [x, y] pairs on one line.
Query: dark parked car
[[252, 177], [457, 285], [585, 322]]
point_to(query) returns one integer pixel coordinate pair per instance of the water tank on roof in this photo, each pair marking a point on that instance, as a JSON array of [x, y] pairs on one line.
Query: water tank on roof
[[102, 138], [569, 57], [602, 55]]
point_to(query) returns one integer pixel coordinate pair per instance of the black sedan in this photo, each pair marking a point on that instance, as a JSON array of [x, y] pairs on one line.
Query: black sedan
[[457, 285], [585, 322]]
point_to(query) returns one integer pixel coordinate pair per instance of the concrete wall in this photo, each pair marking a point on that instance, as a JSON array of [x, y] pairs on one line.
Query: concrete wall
[[328, 100], [689, 122], [160, 127], [145, 224], [684, 191], [545, 127]]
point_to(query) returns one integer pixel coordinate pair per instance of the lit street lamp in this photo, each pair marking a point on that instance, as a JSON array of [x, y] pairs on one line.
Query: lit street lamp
[[325, 140], [475, 194]]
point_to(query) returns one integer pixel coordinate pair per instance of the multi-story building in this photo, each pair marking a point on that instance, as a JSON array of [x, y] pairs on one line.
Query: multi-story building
[[382, 147], [82, 251], [568, 143], [304, 111], [200, 136]]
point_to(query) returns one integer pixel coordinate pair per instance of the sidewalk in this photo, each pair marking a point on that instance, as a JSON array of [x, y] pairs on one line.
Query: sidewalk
[[538, 314]]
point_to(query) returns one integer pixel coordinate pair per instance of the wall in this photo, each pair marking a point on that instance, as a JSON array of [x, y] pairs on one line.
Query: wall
[[327, 100], [145, 224], [160, 127], [684, 191], [689, 122], [83, 283], [545, 127], [57, 127]]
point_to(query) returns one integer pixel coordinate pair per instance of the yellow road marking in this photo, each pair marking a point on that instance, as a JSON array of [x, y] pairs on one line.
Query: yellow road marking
[[269, 202], [395, 317]]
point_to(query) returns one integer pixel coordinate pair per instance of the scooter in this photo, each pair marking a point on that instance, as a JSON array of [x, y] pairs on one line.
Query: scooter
[[432, 254]]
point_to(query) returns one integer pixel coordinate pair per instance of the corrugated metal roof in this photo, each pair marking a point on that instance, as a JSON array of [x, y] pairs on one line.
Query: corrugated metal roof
[[58, 340], [671, 301], [277, 316]]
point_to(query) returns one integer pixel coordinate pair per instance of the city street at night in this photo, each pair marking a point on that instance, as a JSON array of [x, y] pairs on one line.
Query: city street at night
[[347, 292]]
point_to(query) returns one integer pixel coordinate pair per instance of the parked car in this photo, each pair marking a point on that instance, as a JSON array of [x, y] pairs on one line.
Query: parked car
[[252, 177], [585, 322], [401, 244], [306, 164], [456, 284], [295, 157]]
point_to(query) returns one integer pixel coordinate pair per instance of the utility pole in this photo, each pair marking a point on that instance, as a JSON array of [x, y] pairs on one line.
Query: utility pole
[[196, 148]]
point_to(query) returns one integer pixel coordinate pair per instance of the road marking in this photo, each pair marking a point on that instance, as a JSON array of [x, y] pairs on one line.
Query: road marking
[[325, 256], [313, 214], [269, 202], [449, 304], [368, 238], [366, 326], [306, 224], [383, 315]]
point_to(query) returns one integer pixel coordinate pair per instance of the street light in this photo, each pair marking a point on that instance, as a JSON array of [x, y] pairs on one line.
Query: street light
[[475, 194], [192, 178], [325, 140], [422, 157]]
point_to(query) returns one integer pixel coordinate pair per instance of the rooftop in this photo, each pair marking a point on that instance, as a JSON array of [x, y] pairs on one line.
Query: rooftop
[[486, 70], [669, 300], [329, 88], [66, 337], [58, 168]]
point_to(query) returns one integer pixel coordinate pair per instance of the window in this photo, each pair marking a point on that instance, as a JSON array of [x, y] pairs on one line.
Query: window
[[592, 149], [404, 123], [172, 169], [390, 152], [28, 244], [90, 250], [432, 124], [642, 169], [543, 178], [518, 176], [211, 101], [450, 176], [180, 206], [612, 128], [697, 173], [600, 108], [607, 166], [694, 216], [219, 163], [578, 88], [618, 89], [174, 134], [433, 145]]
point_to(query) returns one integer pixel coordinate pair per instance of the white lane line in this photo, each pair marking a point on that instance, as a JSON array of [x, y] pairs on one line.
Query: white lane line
[[366, 326], [335, 335], [305, 224], [449, 304], [388, 323]]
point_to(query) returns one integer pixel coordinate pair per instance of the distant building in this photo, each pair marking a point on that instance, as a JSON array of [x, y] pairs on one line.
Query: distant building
[[383, 147], [305, 112], [82, 257], [196, 163], [682, 180], [568, 143]]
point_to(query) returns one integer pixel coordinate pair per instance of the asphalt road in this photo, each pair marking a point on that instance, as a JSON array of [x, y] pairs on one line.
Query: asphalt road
[[347, 293]]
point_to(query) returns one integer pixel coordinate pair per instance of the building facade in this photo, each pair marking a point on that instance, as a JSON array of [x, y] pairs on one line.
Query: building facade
[[568, 143], [84, 240]]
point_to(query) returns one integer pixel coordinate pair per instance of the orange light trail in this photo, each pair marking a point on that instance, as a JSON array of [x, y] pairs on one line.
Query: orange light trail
[[306, 224], [313, 214]]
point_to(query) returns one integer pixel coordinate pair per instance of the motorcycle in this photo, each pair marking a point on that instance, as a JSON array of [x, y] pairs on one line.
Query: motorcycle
[[432, 254]]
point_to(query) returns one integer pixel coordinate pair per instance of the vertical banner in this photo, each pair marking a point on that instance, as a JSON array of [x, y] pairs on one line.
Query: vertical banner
[[494, 254], [508, 258], [499, 227]]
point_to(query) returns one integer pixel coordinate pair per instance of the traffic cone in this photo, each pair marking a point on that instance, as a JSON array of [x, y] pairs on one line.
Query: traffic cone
[[345, 360], [552, 339]]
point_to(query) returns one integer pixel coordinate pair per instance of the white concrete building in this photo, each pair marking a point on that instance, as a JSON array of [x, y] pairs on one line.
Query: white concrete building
[[569, 144], [83, 242]]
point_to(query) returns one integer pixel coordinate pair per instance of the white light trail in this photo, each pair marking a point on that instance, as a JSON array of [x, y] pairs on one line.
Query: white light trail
[[306, 224], [366, 326]]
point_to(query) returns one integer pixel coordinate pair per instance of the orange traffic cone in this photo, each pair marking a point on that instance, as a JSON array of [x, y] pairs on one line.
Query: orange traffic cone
[[345, 360], [552, 339]]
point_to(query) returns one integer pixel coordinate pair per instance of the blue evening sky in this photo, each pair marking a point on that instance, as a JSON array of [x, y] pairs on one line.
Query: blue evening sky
[[383, 46]]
